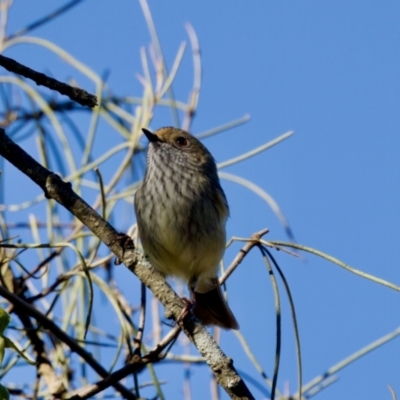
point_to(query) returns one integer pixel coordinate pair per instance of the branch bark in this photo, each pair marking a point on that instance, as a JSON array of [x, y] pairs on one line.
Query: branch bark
[[55, 188], [79, 95]]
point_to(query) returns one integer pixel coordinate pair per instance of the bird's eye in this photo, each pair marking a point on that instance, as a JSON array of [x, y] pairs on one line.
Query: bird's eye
[[181, 141]]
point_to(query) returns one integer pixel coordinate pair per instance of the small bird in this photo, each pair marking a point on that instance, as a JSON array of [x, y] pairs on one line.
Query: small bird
[[181, 212]]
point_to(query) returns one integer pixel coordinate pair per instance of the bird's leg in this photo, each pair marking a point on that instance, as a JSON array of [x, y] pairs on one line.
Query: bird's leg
[[189, 305], [125, 242]]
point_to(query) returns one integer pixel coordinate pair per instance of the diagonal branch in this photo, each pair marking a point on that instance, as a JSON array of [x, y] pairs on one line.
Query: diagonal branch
[[79, 95], [134, 366], [43, 20], [55, 188]]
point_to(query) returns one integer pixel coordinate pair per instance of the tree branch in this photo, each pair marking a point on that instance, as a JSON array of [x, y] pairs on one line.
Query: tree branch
[[43, 20], [55, 188], [136, 365], [79, 95]]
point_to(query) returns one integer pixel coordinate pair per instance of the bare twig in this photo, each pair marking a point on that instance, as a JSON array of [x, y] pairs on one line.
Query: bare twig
[[45, 19], [135, 366], [348, 360], [253, 241], [142, 318], [195, 93], [266, 256], [79, 95], [338, 262], [295, 325], [392, 392]]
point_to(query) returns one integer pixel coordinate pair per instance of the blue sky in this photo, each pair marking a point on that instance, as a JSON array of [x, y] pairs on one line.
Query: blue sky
[[330, 72]]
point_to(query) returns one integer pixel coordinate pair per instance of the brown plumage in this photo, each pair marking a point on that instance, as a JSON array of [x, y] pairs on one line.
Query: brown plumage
[[181, 213]]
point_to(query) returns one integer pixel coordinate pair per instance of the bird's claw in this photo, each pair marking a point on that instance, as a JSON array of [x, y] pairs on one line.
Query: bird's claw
[[125, 242], [189, 305]]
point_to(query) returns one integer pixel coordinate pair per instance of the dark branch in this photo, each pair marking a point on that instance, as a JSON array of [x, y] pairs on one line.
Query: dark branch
[[79, 95], [136, 365], [45, 19]]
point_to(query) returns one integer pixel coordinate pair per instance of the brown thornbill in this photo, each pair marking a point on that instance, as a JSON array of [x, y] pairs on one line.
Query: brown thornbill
[[181, 212]]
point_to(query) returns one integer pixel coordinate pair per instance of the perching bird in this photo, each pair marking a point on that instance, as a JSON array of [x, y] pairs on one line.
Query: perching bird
[[181, 212]]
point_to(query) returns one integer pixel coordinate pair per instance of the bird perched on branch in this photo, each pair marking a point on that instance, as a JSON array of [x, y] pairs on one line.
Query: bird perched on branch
[[181, 212]]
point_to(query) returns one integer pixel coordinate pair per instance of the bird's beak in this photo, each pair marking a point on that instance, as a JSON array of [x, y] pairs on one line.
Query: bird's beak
[[152, 138]]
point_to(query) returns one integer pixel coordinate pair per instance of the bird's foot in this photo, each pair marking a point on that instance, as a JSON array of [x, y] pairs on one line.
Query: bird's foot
[[189, 305], [126, 242]]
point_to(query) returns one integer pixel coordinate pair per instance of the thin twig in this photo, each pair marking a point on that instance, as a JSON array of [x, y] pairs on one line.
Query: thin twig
[[135, 366], [278, 322], [195, 93], [263, 195], [142, 318], [45, 19], [338, 262], [295, 325], [76, 94], [254, 360], [224, 127], [348, 360], [253, 241], [255, 151], [102, 194], [393, 393]]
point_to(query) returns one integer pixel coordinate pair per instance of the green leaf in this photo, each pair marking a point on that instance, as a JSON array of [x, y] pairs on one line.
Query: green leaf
[[4, 395], [4, 320], [10, 345], [2, 347]]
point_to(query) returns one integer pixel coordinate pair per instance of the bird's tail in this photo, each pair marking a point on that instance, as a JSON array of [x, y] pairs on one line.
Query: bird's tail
[[212, 309]]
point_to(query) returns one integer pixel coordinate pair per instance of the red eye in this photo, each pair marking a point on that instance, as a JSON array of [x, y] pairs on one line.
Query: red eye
[[181, 141]]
